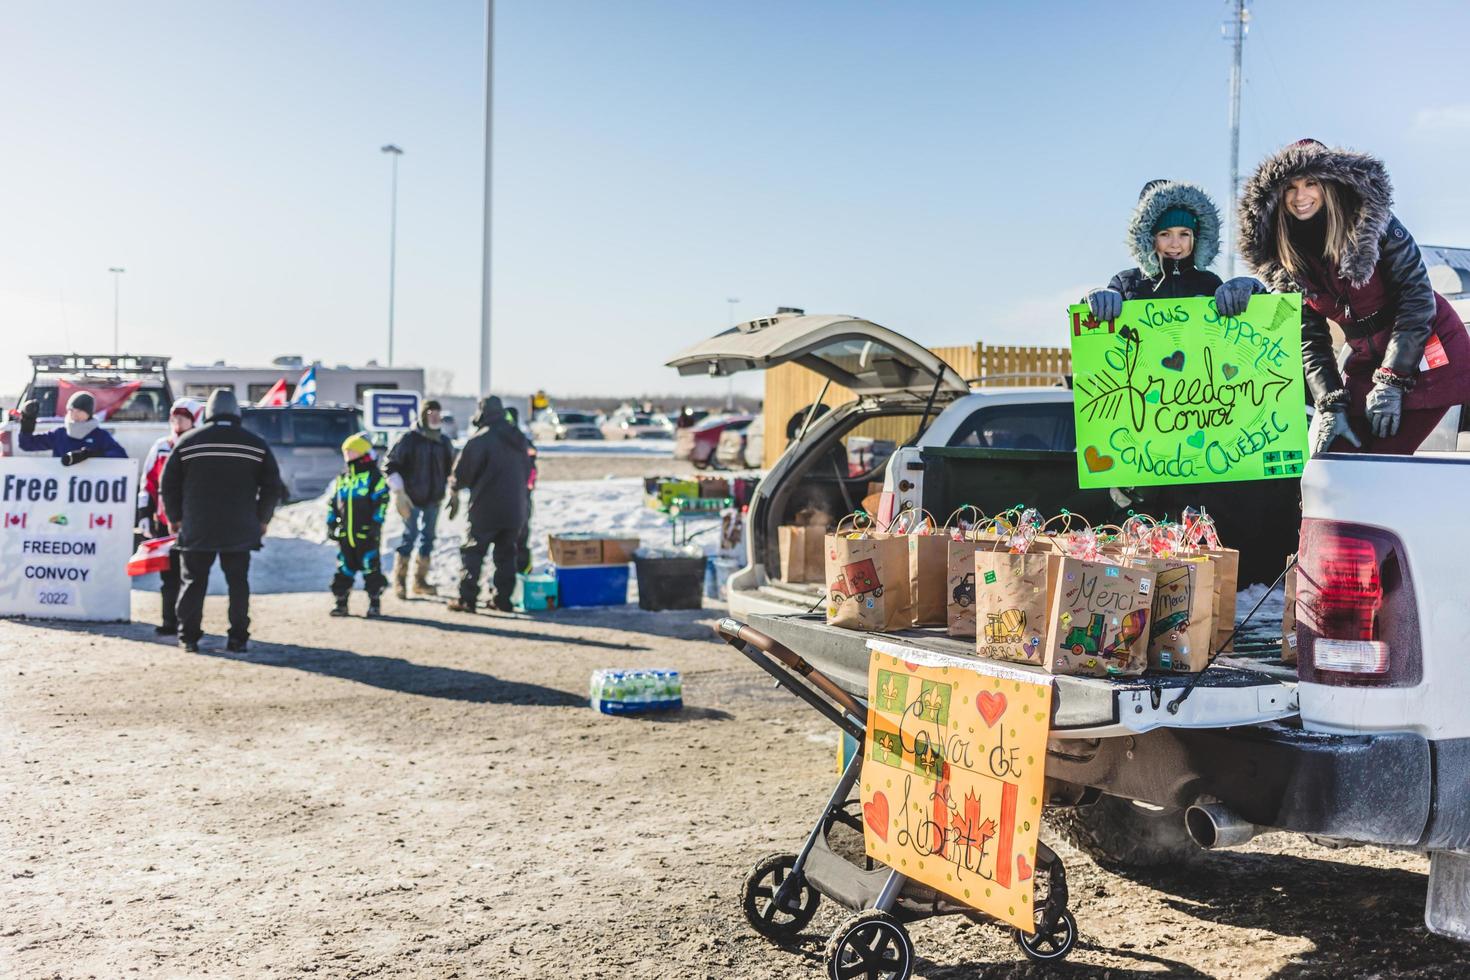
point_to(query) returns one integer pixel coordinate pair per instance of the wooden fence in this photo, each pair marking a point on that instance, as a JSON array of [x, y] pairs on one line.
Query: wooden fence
[[791, 388]]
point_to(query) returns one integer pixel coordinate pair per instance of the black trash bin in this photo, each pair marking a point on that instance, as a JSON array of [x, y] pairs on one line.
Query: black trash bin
[[670, 583]]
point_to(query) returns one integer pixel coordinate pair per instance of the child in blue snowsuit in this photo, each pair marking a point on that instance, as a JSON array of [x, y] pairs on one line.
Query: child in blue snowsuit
[[355, 522]]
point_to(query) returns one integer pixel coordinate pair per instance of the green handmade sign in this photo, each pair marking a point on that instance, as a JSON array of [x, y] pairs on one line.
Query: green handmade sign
[[1173, 392]]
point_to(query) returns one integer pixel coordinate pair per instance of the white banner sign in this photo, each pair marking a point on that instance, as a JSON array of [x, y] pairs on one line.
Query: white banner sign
[[66, 534]]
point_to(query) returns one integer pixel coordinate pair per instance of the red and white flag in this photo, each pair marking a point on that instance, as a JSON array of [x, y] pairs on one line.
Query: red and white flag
[[16, 520], [100, 520], [276, 397]]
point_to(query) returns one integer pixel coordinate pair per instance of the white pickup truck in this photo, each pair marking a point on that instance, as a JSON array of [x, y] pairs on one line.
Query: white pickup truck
[[1366, 742], [132, 393]]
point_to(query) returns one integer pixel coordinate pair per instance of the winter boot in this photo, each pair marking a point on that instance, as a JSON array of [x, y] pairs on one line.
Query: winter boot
[[400, 577], [503, 603], [421, 585], [236, 646], [340, 609], [458, 604], [375, 606]]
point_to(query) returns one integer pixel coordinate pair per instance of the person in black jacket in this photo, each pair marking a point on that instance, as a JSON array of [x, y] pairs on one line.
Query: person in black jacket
[[1174, 235], [220, 487], [418, 471], [494, 466], [1318, 220]]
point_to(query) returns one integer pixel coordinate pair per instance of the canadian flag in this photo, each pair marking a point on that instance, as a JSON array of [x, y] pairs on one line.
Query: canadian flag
[[16, 520], [277, 397], [100, 520]]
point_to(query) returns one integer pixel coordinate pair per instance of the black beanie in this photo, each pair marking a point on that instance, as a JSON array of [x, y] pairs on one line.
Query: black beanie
[[84, 401]]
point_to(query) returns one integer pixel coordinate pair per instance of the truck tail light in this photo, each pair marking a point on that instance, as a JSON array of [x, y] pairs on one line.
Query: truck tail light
[[1357, 621]]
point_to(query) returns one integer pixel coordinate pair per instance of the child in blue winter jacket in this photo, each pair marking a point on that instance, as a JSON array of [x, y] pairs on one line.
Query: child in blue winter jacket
[[355, 521]]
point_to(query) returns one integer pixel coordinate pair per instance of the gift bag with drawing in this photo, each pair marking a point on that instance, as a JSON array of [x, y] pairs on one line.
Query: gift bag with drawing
[[1012, 598], [966, 530], [1182, 616], [868, 582], [803, 553], [1098, 622], [928, 565]]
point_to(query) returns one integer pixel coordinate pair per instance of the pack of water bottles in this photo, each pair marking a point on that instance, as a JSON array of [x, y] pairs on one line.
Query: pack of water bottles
[[632, 692]]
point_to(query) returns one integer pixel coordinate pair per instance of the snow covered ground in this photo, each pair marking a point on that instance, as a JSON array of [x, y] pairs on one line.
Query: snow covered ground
[[609, 447], [298, 557]]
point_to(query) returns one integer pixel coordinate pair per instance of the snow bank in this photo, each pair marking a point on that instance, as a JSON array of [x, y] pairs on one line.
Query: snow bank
[[606, 447]]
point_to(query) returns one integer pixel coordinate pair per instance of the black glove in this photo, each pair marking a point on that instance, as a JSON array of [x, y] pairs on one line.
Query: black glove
[[1234, 296], [76, 456], [1385, 408], [1327, 425], [1105, 304], [29, 412]]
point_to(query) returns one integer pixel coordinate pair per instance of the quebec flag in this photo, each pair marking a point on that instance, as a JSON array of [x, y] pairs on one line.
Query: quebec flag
[[306, 388]]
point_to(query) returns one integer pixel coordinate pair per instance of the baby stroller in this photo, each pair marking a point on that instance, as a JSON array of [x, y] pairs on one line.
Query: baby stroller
[[782, 891]]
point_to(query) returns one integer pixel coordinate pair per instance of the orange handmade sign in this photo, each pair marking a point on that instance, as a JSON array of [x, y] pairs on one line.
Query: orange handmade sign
[[953, 766]]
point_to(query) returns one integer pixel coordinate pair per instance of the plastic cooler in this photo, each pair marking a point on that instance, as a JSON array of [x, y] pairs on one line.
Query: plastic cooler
[[591, 585], [535, 592]]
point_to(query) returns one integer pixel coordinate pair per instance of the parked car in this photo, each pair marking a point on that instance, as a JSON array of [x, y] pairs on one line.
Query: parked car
[[706, 437], [552, 425], [307, 443], [1365, 741], [741, 448], [131, 391], [638, 426]]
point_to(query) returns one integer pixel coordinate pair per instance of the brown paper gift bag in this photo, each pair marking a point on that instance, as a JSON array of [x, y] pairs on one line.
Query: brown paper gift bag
[[928, 565], [1012, 600], [1227, 571], [1181, 625], [868, 582], [959, 583], [1098, 622], [803, 553]]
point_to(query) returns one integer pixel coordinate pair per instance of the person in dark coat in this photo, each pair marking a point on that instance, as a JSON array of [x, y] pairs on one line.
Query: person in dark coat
[[220, 487], [418, 471], [495, 467], [78, 439], [1318, 221], [1174, 235], [523, 540]]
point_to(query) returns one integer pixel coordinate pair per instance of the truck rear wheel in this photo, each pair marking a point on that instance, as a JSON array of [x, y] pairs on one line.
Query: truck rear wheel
[[1120, 834]]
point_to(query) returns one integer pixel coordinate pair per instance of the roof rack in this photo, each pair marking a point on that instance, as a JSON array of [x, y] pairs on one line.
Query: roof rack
[[71, 363]]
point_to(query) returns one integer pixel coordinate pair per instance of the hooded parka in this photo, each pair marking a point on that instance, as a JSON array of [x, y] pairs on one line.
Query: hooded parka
[[1379, 293], [1157, 278]]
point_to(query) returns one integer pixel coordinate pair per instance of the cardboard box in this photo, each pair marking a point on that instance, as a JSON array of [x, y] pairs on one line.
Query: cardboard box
[[590, 548], [574, 549]]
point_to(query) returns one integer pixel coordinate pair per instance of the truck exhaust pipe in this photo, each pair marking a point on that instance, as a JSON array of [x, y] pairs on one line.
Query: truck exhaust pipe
[[1215, 825]]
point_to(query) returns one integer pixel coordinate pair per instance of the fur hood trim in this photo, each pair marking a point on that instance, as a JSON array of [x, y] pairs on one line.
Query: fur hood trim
[[1159, 196], [1362, 175]]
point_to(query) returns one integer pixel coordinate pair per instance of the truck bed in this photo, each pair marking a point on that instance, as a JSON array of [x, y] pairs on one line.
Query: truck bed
[[1082, 707]]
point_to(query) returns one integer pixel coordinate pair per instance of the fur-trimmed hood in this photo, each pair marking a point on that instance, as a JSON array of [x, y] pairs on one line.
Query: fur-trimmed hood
[[1159, 196], [1370, 197]]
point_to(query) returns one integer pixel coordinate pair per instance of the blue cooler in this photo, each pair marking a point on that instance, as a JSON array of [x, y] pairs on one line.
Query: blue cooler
[[592, 585]]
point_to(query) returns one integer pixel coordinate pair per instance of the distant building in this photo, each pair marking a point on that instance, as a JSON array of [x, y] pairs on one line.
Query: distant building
[[1449, 270], [340, 385]]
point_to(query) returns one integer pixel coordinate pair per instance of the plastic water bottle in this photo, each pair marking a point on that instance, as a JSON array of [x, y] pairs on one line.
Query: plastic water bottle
[[626, 692]]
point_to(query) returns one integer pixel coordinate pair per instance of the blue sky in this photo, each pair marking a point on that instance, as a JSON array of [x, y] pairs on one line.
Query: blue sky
[[956, 171]]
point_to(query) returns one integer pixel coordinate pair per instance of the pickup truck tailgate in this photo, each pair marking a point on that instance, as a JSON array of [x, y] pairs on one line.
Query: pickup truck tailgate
[[1082, 707]]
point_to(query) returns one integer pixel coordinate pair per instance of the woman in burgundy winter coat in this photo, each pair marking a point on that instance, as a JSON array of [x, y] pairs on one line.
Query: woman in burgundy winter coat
[[1317, 220]]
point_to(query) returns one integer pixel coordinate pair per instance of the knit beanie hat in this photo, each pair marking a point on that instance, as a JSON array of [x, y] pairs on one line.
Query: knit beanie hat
[[356, 445], [82, 400], [1176, 218]]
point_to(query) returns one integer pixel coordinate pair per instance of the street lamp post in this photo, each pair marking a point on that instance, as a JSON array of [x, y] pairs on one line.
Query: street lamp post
[[117, 272], [395, 153], [485, 220]]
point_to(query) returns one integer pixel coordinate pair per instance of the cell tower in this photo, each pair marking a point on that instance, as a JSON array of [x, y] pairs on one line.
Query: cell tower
[[1235, 28]]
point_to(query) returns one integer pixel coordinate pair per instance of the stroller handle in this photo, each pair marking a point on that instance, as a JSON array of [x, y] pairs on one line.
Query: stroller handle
[[738, 635]]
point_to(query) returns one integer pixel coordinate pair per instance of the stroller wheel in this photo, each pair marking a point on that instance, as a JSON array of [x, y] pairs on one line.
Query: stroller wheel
[[871, 945], [759, 898], [1048, 946]]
